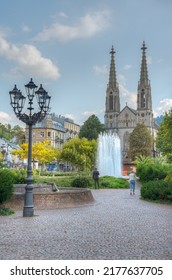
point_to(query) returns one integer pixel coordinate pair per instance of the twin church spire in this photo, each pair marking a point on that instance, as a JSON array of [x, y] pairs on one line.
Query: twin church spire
[[144, 102]]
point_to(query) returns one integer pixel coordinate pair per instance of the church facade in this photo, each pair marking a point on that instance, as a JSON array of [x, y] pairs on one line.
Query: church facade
[[124, 121]]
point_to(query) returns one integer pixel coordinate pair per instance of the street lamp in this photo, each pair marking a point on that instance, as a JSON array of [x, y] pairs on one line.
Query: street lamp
[[17, 103]]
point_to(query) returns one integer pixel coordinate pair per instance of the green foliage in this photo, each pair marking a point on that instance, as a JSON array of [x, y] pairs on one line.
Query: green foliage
[[6, 212], [142, 160], [113, 182], [20, 176], [60, 182], [80, 182], [168, 178], [84, 180], [7, 180], [81, 153], [7, 133], [91, 128], [164, 136], [157, 190], [140, 142], [57, 174], [149, 172]]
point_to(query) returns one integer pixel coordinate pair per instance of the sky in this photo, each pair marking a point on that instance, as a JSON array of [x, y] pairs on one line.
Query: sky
[[64, 45]]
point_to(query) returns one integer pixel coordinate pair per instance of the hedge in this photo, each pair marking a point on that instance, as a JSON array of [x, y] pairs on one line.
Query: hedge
[[157, 190]]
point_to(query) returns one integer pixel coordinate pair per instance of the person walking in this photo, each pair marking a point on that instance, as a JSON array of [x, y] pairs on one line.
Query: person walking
[[96, 178], [132, 181]]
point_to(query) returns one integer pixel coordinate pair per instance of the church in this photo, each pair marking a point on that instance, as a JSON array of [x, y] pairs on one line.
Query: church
[[124, 121]]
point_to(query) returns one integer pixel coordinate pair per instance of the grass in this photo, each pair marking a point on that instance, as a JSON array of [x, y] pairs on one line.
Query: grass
[[105, 182]]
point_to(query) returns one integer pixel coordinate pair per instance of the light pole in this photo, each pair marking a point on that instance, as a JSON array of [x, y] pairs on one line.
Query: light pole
[[17, 103]]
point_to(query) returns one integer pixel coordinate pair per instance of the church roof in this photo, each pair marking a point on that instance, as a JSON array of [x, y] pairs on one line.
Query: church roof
[[132, 110]]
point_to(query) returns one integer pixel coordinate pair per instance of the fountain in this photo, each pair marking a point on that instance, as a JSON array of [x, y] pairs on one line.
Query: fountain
[[109, 155], [49, 196]]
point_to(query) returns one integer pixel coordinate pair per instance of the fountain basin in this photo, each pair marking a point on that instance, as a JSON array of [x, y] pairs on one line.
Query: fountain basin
[[46, 197]]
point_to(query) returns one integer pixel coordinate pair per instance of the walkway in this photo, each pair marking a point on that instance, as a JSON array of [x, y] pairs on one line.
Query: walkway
[[117, 226]]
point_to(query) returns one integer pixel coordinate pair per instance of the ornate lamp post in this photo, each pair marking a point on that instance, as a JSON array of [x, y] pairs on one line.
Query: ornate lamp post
[[17, 103]]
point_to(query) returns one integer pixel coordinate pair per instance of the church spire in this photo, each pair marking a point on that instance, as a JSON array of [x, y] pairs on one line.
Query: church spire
[[144, 96], [112, 72], [112, 97], [144, 72]]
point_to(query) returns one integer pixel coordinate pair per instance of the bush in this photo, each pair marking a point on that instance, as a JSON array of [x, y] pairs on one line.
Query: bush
[[6, 212], [80, 182], [113, 182], [7, 179], [60, 182], [19, 176], [150, 172], [168, 178], [157, 190], [56, 173]]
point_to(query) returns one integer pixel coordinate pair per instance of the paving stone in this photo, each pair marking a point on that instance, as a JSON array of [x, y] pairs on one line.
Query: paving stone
[[117, 226]]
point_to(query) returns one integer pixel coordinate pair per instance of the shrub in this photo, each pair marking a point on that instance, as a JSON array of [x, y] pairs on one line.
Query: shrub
[[56, 173], [168, 178], [19, 176], [80, 182], [60, 182], [113, 182], [157, 190], [6, 212], [149, 172], [7, 179]]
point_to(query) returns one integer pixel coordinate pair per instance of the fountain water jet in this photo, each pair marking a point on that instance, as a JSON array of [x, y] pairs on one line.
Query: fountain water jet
[[109, 155]]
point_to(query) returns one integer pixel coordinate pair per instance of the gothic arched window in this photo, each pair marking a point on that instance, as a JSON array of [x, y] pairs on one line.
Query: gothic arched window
[[143, 99], [111, 102]]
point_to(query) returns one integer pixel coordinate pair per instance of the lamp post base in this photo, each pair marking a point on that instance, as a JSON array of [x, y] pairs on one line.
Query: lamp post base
[[28, 211]]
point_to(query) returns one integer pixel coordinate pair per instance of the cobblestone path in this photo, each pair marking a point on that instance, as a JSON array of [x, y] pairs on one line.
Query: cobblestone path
[[116, 226]]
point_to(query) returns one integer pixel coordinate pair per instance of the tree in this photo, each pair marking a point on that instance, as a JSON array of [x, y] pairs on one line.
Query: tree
[[91, 128], [80, 152], [164, 136], [8, 133], [41, 151], [140, 142], [18, 133]]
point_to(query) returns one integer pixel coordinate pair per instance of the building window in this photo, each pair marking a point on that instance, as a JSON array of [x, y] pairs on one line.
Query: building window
[[49, 134], [42, 134], [143, 101], [111, 102]]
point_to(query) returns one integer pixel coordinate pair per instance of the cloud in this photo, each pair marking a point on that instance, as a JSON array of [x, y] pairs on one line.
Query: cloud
[[122, 79], [164, 106], [149, 60], [29, 60], [70, 116], [11, 119], [87, 26], [25, 28], [63, 15], [88, 114], [127, 66], [99, 70], [127, 97], [81, 118], [5, 118]]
